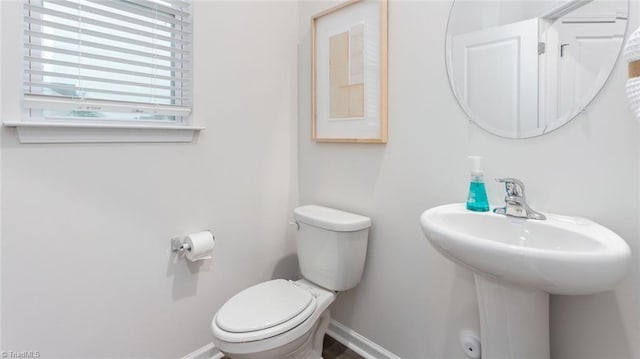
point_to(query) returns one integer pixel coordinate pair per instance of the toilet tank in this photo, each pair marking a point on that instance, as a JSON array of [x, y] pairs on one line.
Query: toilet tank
[[332, 246]]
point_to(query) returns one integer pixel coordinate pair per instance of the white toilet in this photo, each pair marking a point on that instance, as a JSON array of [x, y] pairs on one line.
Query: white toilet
[[285, 319]]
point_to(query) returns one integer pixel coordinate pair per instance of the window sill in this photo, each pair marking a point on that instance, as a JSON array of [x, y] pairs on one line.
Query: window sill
[[48, 132]]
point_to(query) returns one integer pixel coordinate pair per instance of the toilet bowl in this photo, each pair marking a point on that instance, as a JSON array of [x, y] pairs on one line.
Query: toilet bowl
[[280, 319], [274, 319]]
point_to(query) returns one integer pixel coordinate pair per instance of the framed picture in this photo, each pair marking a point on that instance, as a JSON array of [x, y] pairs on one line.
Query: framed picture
[[349, 73]]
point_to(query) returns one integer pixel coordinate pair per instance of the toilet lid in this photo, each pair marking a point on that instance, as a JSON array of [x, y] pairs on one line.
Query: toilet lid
[[264, 306]]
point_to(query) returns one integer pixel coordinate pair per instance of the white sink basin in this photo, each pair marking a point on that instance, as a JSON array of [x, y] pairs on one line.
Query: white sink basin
[[560, 255]]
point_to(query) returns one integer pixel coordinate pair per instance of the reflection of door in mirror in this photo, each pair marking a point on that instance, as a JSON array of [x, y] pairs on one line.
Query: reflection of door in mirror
[[522, 68], [576, 66], [499, 82]]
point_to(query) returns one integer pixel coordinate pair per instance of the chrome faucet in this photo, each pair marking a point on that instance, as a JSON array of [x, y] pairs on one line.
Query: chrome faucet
[[515, 201]]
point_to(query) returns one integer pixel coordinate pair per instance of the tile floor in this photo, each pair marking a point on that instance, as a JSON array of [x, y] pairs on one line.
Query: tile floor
[[332, 349]]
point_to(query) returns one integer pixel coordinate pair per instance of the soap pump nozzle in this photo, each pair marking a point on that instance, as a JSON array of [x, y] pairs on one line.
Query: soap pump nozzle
[[476, 168]]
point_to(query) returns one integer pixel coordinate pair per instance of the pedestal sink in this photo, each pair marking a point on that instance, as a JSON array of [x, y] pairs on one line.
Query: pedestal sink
[[518, 262]]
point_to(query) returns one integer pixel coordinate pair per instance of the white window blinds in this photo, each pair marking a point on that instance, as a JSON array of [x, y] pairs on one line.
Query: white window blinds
[[97, 60]]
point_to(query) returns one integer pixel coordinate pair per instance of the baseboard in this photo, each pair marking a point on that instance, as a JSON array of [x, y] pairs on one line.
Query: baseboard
[[208, 351], [348, 337], [358, 343]]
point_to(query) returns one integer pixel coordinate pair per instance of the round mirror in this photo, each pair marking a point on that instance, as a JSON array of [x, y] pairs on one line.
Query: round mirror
[[524, 68]]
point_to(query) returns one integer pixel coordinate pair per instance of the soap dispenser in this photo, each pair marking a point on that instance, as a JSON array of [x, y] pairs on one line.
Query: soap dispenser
[[477, 199]]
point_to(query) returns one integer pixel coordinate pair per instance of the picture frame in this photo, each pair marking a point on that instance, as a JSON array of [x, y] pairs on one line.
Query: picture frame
[[349, 73]]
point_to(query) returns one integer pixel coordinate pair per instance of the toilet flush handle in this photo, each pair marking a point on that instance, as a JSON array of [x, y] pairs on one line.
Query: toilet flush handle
[[295, 223]]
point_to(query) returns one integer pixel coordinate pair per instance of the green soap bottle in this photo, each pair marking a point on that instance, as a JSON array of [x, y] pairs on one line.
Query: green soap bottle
[[477, 199]]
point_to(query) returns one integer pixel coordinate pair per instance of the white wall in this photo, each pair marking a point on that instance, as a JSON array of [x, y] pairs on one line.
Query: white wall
[[1, 184], [414, 302], [87, 270]]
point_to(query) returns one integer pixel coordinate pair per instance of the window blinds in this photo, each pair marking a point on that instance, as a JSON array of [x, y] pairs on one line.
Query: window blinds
[[107, 59]]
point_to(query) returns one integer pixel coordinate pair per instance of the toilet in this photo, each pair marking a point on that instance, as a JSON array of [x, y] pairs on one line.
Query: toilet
[[288, 319]]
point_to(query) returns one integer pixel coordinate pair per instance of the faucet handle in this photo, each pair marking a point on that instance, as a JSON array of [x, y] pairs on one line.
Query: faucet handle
[[513, 186]]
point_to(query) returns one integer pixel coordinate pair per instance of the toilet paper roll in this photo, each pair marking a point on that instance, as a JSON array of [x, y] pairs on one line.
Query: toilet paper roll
[[200, 245]]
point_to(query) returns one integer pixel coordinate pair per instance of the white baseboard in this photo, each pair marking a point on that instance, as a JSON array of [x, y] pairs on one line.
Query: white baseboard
[[358, 343], [208, 351], [348, 337]]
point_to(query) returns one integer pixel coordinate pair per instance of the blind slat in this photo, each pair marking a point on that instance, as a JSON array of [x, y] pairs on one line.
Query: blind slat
[[127, 19], [102, 68], [150, 13], [114, 15], [94, 90], [98, 34], [106, 25], [63, 103], [182, 4], [175, 9], [40, 35], [117, 60], [99, 79]]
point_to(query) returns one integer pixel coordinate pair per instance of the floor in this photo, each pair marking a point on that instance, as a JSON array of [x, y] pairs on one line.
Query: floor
[[332, 349]]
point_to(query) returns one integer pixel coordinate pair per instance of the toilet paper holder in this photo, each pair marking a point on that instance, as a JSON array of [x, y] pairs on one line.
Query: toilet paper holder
[[194, 246], [179, 245]]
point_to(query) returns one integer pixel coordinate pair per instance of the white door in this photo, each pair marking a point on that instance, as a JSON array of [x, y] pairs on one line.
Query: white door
[[496, 73], [588, 52]]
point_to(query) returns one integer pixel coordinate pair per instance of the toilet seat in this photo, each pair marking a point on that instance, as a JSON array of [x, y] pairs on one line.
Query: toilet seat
[[263, 311]]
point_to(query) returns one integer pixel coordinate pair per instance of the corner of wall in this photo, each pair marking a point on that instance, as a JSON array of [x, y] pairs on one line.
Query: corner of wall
[[1, 116]]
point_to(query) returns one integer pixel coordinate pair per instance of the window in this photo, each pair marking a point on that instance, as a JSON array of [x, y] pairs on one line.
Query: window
[[113, 63]]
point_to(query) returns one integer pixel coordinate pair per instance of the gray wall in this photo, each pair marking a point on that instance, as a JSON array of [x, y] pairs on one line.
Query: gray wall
[[86, 265], [414, 302]]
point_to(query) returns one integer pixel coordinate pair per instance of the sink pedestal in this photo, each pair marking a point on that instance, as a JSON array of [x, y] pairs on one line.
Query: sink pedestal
[[514, 321]]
